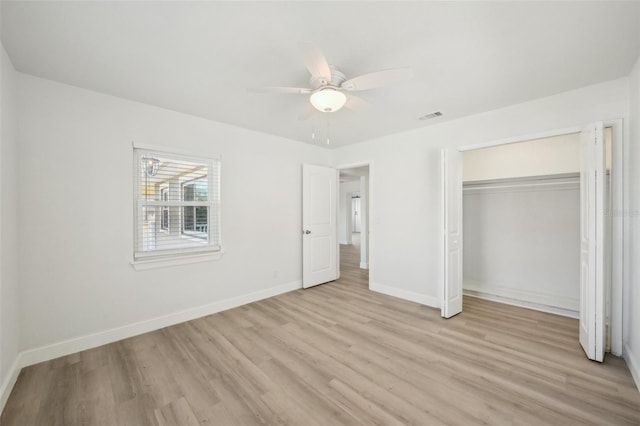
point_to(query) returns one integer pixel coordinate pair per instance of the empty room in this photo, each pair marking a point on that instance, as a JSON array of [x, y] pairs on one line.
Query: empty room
[[319, 213]]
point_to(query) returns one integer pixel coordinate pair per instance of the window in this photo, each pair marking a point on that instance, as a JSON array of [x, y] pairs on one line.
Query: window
[[177, 207]]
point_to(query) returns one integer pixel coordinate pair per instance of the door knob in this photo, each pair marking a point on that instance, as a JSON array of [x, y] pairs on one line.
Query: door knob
[[307, 232]]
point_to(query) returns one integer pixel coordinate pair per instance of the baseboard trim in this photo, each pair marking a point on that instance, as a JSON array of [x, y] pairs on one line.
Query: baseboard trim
[[633, 366], [9, 381], [411, 296], [545, 299], [523, 304], [89, 341]]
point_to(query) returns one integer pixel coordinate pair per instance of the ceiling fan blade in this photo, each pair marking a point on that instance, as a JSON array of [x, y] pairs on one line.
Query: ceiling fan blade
[[286, 90], [355, 103], [316, 63], [307, 113], [377, 79]]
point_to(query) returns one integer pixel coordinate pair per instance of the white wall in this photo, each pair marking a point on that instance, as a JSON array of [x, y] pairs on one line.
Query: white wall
[[547, 156], [344, 211], [522, 241], [632, 298], [76, 217], [539, 157], [9, 303], [405, 244]]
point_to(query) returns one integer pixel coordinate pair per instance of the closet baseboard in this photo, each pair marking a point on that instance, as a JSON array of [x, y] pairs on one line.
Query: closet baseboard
[[523, 304]]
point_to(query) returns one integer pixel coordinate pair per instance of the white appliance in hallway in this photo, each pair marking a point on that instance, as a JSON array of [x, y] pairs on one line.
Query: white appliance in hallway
[[355, 214]]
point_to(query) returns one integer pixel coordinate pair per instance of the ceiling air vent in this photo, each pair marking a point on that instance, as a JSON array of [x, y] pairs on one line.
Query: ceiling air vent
[[430, 116]]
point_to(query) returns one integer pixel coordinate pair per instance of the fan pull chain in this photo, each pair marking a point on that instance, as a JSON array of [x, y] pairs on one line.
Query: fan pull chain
[[328, 140]]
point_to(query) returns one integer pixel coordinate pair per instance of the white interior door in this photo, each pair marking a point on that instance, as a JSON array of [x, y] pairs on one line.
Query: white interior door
[[319, 228], [452, 226], [592, 179]]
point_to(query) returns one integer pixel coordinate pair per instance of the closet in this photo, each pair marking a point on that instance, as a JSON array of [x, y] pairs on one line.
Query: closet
[[521, 210]]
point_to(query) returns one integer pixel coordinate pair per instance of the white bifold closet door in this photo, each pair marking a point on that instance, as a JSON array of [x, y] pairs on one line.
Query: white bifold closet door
[[451, 301], [592, 244]]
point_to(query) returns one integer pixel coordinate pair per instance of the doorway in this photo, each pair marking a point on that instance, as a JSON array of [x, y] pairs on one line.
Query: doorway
[[328, 222], [353, 219], [608, 279]]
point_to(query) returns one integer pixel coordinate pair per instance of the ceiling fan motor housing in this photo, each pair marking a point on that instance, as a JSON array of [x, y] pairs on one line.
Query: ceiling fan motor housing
[[337, 77]]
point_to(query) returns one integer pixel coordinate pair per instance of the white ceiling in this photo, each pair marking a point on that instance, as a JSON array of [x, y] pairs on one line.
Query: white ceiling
[[200, 57]]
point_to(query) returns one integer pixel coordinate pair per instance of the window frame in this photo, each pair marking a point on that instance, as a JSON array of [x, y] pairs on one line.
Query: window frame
[[213, 249]]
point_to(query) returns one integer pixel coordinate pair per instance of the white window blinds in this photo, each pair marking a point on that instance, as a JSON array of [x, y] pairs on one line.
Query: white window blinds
[[177, 205]]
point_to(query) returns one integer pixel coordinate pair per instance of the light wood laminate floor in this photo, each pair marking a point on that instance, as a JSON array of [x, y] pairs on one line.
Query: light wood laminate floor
[[335, 354]]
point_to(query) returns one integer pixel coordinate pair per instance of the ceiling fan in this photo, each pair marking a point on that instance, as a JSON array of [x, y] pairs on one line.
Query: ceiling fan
[[328, 84]]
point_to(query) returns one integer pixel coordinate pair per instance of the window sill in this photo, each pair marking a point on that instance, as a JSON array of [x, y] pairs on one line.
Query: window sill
[[142, 265]]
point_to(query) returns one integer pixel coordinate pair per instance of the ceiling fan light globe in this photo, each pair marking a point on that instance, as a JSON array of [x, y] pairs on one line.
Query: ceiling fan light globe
[[328, 100]]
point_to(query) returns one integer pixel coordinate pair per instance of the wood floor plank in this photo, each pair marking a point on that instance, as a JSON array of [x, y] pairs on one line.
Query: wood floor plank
[[136, 411], [335, 354], [176, 413]]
